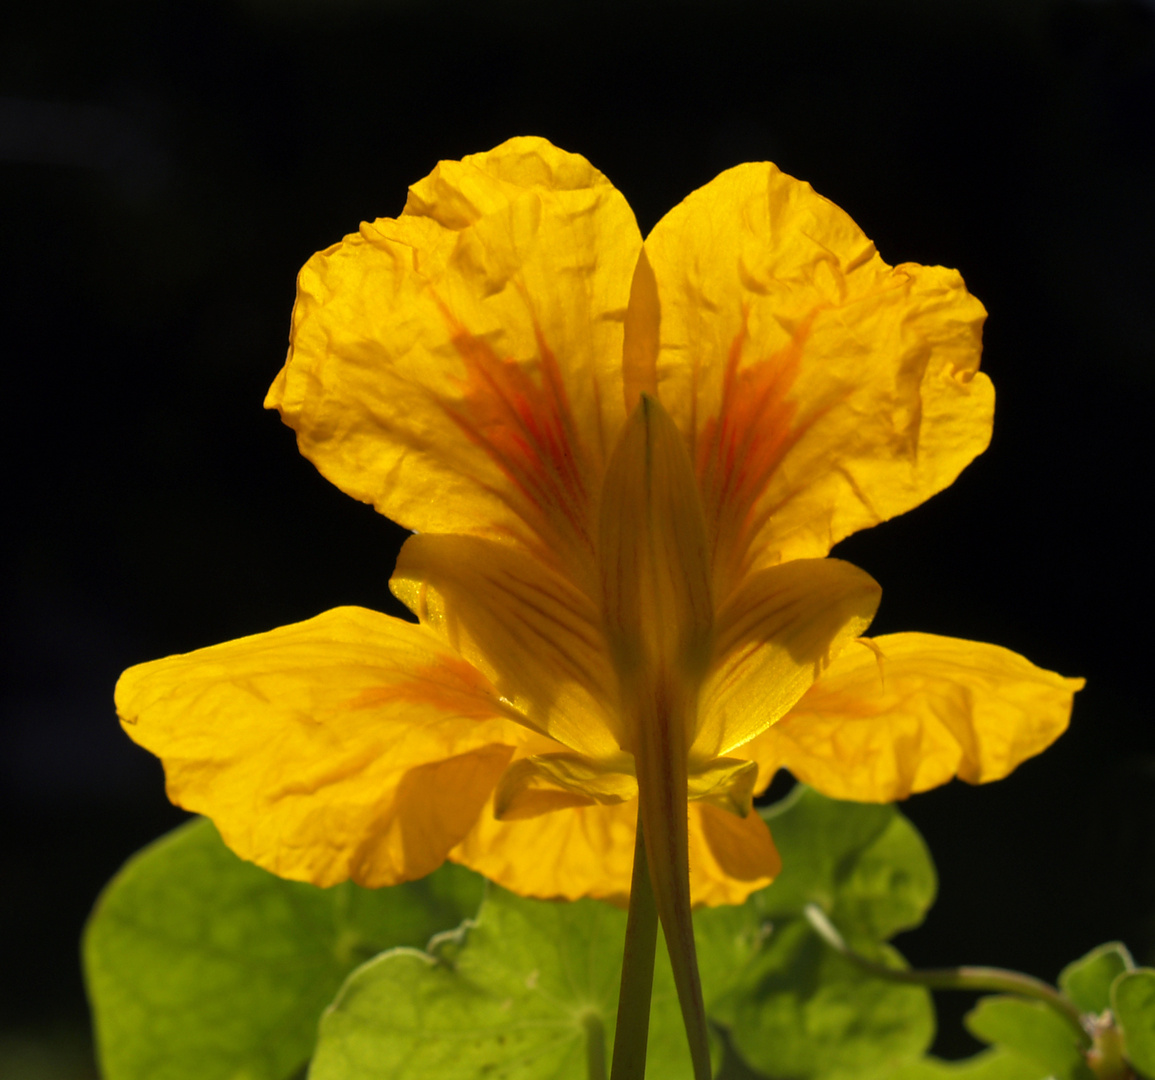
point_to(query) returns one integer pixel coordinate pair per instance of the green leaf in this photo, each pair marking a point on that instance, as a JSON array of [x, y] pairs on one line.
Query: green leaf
[[1133, 1002], [1034, 1031], [1087, 981], [864, 864], [203, 967], [524, 993], [993, 1064], [793, 1006]]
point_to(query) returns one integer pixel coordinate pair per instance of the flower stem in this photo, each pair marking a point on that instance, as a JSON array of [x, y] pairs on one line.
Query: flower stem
[[956, 978], [633, 1025]]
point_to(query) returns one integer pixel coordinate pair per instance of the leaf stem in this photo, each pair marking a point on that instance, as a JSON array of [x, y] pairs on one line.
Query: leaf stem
[[998, 980], [595, 1046], [633, 1026]]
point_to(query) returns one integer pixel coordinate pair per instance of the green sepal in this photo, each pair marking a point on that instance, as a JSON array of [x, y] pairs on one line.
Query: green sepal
[[200, 966], [1087, 981], [1033, 1031], [1133, 1002]]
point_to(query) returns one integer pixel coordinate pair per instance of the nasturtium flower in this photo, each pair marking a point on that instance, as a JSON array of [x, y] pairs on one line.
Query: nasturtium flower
[[625, 465]]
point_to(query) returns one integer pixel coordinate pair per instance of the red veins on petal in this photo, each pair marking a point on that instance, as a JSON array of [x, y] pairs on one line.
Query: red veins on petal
[[526, 427], [740, 448], [451, 684]]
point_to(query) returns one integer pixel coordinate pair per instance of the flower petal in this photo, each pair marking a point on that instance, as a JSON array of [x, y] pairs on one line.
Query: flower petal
[[581, 851], [352, 745], [822, 391], [546, 782], [730, 857], [535, 635], [774, 638], [725, 783], [589, 851], [460, 366], [928, 708]]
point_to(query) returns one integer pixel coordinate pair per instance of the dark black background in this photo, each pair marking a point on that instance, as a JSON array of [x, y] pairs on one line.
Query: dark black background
[[167, 167]]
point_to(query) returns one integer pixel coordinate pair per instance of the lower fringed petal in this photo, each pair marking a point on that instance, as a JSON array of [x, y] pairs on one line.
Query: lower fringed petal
[[589, 850], [352, 745], [730, 857], [576, 852], [913, 711]]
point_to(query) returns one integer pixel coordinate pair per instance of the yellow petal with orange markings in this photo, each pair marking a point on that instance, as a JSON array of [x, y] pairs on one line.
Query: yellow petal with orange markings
[[535, 635], [730, 857], [581, 851], [821, 390], [546, 782], [931, 709], [460, 366], [773, 639], [322, 751]]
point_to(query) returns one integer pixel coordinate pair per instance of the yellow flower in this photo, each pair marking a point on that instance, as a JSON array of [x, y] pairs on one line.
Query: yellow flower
[[625, 466]]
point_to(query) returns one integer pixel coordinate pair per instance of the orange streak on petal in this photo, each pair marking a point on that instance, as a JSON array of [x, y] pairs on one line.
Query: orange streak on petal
[[450, 684], [526, 427], [741, 447]]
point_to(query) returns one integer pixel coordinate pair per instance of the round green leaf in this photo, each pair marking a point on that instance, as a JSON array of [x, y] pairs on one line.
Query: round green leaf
[[1032, 1030], [203, 967], [865, 865], [525, 993], [1087, 981], [995, 1064], [1133, 1001]]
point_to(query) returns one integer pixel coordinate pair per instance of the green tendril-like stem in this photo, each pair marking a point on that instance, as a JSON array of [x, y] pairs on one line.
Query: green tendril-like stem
[[633, 1026], [998, 980]]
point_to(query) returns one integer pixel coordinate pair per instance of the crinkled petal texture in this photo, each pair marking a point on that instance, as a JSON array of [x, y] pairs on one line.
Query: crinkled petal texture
[[880, 726], [626, 464], [460, 367], [324, 750], [821, 390]]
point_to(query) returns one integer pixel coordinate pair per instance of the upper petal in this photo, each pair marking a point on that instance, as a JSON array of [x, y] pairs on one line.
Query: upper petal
[[460, 366], [822, 391], [352, 745], [927, 708]]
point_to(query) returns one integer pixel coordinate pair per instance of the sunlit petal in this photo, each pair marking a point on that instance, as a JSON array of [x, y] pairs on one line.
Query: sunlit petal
[[730, 857], [822, 391], [773, 639], [534, 634], [323, 750], [460, 366], [927, 708], [581, 851], [589, 850], [547, 782], [726, 783]]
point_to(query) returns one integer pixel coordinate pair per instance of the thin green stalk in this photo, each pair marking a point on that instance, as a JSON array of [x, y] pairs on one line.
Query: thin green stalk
[[998, 980], [633, 1026]]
